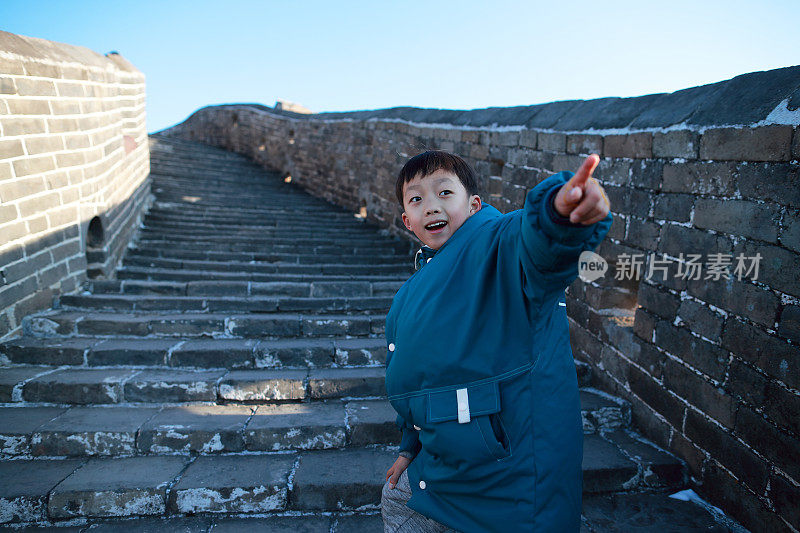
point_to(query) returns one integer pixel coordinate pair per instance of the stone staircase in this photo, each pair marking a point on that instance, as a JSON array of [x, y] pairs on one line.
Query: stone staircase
[[231, 376]]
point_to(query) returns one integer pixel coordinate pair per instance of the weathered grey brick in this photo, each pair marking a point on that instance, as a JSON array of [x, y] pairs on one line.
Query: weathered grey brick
[[22, 126], [32, 87], [738, 217], [699, 392], [700, 178], [767, 143], [631, 145], [773, 355], [675, 207], [679, 143], [28, 107], [775, 182], [552, 142], [11, 148], [584, 144], [527, 138]]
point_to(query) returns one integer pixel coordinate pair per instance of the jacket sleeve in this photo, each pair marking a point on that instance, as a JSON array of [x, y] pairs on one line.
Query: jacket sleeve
[[410, 440], [550, 244]]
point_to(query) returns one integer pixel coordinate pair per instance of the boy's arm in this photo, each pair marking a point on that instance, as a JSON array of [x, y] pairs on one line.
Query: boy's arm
[[551, 244], [409, 443]]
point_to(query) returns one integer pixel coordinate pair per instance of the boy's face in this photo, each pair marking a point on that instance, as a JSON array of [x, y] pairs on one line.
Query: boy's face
[[436, 206]]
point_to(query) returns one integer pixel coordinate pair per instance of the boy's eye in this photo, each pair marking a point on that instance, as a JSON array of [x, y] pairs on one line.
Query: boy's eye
[[414, 199], [446, 191]]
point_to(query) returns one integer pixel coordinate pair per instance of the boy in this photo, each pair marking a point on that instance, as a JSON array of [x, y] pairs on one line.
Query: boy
[[479, 365]]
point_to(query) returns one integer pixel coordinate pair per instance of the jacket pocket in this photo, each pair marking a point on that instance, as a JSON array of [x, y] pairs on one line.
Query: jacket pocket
[[450, 436]]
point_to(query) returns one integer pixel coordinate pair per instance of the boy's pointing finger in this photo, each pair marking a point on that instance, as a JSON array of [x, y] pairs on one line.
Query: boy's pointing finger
[[585, 172]]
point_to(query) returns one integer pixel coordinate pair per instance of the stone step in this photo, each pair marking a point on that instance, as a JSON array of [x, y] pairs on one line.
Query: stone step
[[206, 429], [285, 256], [115, 385], [164, 274], [319, 522], [269, 217], [264, 225], [213, 304], [399, 265], [359, 249], [324, 421], [404, 267], [306, 289], [194, 353], [280, 257], [343, 244], [313, 480], [56, 323]]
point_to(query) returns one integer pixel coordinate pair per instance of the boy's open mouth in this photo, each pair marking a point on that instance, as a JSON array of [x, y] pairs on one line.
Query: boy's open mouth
[[435, 227]]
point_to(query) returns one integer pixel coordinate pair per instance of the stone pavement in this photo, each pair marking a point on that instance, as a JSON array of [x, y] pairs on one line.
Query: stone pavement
[[232, 376]]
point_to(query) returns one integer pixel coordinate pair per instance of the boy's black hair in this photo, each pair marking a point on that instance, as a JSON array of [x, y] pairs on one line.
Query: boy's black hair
[[429, 162]]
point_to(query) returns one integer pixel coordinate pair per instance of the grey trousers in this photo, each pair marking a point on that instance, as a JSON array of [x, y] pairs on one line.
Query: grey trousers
[[398, 518]]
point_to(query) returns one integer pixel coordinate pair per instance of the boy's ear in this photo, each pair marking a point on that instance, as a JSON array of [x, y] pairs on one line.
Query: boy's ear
[[475, 204], [406, 221]]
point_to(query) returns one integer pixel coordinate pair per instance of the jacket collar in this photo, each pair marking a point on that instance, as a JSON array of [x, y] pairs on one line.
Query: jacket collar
[[486, 213]]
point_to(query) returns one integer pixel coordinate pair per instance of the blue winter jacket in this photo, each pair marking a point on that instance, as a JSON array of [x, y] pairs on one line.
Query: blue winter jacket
[[480, 370]]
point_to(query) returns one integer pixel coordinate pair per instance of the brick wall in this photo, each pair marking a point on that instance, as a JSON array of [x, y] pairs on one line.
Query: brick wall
[[710, 366], [74, 166]]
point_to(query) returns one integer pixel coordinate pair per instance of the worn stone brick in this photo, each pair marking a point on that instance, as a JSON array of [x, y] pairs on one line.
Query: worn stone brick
[[552, 142], [790, 234], [796, 144], [773, 182], [7, 85], [631, 145], [708, 358], [674, 207], [676, 240], [643, 233], [699, 393], [773, 355], [700, 178], [679, 143], [658, 301], [656, 396], [777, 446], [701, 319], [33, 165], [28, 107], [728, 450], [628, 200], [738, 217], [746, 383], [789, 322], [584, 144], [744, 505], [43, 145], [785, 495], [33, 87], [647, 173], [767, 143], [778, 267], [11, 148], [23, 126], [741, 297], [613, 171], [527, 138]]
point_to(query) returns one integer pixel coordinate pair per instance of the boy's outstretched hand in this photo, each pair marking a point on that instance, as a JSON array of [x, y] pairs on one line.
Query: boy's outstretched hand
[[582, 199], [393, 474]]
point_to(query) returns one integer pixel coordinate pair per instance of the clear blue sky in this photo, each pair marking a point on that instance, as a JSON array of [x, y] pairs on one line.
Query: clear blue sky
[[348, 55]]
